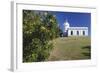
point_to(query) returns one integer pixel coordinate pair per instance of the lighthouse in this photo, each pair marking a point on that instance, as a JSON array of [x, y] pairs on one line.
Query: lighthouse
[[74, 31], [66, 26]]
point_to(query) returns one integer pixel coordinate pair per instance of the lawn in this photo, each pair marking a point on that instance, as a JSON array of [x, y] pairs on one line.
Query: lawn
[[71, 48]]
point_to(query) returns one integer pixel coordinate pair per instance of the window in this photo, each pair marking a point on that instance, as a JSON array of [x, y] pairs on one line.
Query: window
[[77, 32], [71, 32], [83, 32]]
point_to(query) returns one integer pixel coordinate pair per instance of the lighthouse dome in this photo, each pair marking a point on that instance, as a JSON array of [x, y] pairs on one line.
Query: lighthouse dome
[[66, 24]]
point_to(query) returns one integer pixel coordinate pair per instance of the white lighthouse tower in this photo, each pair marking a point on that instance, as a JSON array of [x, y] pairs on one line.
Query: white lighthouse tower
[[66, 26]]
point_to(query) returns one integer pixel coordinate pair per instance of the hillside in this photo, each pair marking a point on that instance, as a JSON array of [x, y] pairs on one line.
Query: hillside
[[71, 48]]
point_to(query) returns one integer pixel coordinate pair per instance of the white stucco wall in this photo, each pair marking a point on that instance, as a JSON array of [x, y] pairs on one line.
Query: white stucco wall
[[79, 30]]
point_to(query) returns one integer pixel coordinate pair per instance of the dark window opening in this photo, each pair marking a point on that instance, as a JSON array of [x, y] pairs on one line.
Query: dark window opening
[[71, 32], [77, 32], [83, 32]]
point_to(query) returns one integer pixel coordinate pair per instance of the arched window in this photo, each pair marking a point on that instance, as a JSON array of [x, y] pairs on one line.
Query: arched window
[[83, 32], [77, 32], [71, 32]]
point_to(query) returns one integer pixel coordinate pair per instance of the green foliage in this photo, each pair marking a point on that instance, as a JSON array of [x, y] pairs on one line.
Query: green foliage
[[39, 29]]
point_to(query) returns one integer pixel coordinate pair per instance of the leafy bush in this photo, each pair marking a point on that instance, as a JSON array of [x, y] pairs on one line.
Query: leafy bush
[[39, 29]]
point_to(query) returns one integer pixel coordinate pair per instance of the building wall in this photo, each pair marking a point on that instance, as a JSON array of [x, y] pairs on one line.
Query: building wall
[[75, 32]]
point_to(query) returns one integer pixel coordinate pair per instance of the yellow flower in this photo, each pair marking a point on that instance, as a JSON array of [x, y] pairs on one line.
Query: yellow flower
[[43, 28]]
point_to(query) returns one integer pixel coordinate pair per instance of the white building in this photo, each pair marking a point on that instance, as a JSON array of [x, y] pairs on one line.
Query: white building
[[74, 31]]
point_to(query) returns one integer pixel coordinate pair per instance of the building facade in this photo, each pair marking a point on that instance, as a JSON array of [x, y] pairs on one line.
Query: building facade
[[74, 31]]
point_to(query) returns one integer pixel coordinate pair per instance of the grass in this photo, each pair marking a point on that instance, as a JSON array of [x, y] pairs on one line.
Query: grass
[[71, 48]]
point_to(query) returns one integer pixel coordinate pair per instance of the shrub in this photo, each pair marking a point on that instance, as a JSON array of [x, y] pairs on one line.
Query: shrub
[[39, 28]]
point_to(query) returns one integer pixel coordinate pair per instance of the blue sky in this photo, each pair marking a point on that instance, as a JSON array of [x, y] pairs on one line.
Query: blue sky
[[75, 19]]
